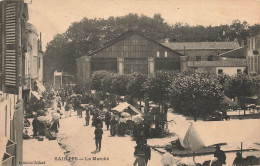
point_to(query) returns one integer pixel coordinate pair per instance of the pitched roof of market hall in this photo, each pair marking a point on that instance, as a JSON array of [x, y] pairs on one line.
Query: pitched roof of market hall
[[202, 45], [124, 36]]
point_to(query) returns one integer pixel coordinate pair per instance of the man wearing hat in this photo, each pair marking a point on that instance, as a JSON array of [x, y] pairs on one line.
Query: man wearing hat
[[98, 137], [220, 155]]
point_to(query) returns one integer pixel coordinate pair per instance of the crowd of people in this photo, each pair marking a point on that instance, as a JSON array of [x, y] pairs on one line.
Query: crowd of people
[[118, 126], [46, 111]]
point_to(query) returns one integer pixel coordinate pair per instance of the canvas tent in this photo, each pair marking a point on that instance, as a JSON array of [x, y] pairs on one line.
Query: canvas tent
[[192, 139], [126, 107], [189, 137]]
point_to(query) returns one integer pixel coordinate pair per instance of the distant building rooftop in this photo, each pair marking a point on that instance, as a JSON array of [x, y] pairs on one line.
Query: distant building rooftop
[[202, 45], [236, 53], [228, 62]]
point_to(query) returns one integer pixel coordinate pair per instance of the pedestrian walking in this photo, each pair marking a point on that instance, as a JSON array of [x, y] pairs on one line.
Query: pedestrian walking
[[67, 109], [76, 106], [113, 126], [98, 137], [71, 106], [101, 105], [121, 127], [80, 111], [87, 117], [35, 125], [107, 119]]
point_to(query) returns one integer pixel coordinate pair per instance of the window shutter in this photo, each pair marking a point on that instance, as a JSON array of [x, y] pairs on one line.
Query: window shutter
[[1, 44], [11, 46]]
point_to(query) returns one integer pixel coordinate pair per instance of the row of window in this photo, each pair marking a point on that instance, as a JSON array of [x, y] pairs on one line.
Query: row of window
[[165, 54], [209, 58]]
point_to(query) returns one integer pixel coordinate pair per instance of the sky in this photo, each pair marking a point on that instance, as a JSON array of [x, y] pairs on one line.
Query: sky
[[55, 16]]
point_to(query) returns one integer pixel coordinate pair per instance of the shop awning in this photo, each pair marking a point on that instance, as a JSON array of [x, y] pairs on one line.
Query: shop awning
[[123, 107], [40, 86], [35, 94]]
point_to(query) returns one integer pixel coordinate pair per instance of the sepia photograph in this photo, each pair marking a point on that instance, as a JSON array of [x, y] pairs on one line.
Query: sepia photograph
[[130, 82]]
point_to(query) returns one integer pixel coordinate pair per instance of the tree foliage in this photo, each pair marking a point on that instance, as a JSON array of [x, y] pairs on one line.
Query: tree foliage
[[156, 86], [107, 82], [96, 80], [135, 85], [119, 84], [196, 94], [241, 85]]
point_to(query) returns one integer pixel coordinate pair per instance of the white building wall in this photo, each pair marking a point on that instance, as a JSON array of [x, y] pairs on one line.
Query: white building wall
[[230, 70], [7, 108], [32, 51]]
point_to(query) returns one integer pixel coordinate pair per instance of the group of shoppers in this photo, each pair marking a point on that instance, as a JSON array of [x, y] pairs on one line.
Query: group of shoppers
[[43, 127]]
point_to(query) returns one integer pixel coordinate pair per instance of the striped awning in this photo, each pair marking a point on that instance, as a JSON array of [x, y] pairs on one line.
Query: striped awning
[[35, 94]]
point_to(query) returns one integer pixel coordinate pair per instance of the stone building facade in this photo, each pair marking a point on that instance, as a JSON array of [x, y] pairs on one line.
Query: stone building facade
[[130, 52]]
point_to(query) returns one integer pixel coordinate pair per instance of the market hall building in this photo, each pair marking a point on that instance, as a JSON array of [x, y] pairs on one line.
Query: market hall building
[[130, 52]]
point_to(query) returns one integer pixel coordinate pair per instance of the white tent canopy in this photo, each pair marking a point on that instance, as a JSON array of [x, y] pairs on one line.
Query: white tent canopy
[[36, 94], [192, 139], [121, 107]]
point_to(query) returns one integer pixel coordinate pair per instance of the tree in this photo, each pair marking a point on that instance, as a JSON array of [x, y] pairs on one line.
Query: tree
[[107, 83], [156, 88], [57, 57], [196, 94], [119, 84], [241, 86], [135, 85], [97, 78]]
